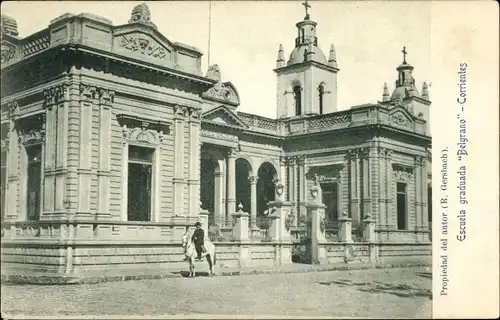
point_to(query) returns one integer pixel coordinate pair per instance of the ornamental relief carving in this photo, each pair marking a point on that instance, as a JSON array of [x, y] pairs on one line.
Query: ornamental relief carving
[[219, 135], [90, 93], [219, 91], [145, 45], [402, 173], [402, 176], [8, 52], [55, 94], [31, 130], [142, 135], [400, 120], [33, 136]]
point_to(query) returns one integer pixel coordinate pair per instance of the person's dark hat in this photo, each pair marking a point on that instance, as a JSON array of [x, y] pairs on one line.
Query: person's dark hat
[[197, 224]]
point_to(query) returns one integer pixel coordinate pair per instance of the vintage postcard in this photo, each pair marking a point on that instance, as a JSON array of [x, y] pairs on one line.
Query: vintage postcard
[[249, 159]]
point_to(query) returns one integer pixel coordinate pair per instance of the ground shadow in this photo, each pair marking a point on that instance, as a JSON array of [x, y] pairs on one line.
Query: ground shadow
[[185, 274], [400, 290]]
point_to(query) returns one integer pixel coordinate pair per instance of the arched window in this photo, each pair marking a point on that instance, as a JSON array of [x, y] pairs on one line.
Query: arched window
[[321, 91], [297, 95], [303, 35]]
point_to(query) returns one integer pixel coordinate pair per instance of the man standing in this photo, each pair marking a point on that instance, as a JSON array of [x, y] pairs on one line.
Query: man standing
[[197, 238]]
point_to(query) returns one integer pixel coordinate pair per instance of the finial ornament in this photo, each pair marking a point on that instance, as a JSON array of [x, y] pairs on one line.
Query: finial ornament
[[385, 95], [141, 14], [404, 54], [306, 6]]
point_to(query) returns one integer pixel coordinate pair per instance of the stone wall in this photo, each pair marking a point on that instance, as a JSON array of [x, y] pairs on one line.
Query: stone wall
[[80, 248]]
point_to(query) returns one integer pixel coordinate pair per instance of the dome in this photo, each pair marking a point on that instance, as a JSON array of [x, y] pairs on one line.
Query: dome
[[297, 55]]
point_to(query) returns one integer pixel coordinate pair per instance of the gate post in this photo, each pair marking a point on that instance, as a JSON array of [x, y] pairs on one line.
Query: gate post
[[345, 231], [240, 233], [316, 228], [279, 232]]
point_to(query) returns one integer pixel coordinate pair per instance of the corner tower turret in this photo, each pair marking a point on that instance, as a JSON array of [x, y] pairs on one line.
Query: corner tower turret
[[406, 93], [307, 84]]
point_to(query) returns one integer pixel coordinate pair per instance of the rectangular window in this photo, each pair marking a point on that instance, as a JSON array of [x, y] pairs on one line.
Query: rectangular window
[[401, 200], [140, 168], [34, 182], [330, 199]]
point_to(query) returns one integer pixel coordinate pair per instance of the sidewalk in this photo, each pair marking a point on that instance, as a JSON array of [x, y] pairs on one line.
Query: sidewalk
[[56, 279]]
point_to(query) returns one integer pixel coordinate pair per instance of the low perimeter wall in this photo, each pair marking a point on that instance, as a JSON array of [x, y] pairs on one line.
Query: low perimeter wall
[[80, 249]]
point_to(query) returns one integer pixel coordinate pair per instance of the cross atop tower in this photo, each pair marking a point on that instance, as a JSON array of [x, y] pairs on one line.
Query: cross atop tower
[[306, 6], [404, 54]]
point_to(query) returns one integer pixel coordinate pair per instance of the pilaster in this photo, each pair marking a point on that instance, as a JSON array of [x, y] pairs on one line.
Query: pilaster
[[354, 201], [367, 187], [388, 187], [55, 170], [424, 205], [382, 195], [106, 99], [180, 114], [194, 161], [11, 197], [89, 97]]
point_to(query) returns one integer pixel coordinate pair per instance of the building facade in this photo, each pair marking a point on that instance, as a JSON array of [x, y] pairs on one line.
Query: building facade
[[114, 138]]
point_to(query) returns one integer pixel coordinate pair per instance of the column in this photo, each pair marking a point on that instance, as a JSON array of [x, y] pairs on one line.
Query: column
[[291, 187], [218, 204], [180, 113], [382, 196], [302, 196], [194, 161], [231, 185], [11, 196], [282, 174], [354, 182], [340, 203], [87, 95], [104, 170], [253, 202], [388, 188], [292, 183]]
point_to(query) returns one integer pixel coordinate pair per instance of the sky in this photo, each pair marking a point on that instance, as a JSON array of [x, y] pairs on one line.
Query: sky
[[245, 37]]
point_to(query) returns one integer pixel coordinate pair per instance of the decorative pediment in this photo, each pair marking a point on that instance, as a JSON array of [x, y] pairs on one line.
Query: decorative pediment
[[224, 92], [145, 44], [401, 118], [223, 116]]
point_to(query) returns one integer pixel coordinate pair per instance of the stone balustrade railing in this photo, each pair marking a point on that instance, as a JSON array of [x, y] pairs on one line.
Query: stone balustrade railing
[[356, 116]]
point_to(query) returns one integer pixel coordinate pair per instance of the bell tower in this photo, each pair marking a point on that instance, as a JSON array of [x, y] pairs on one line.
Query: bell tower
[[307, 82]]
